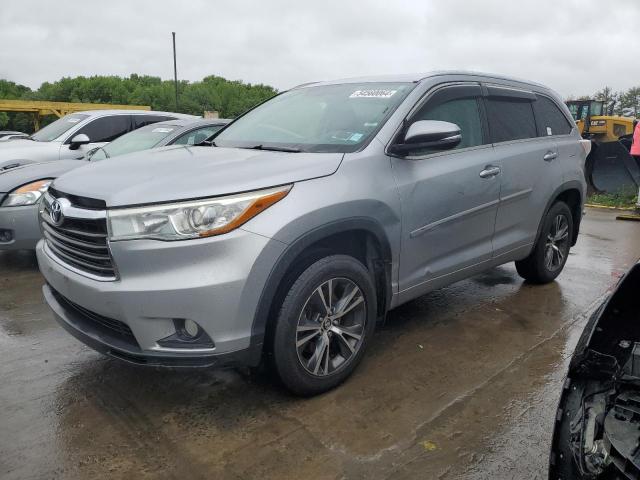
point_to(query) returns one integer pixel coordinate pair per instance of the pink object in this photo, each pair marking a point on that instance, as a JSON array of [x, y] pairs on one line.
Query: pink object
[[635, 146]]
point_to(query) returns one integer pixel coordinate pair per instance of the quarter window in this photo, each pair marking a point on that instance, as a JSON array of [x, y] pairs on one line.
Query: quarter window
[[551, 121], [106, 129], [510, 119]]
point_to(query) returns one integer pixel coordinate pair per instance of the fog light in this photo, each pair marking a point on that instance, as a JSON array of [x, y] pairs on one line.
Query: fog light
[[188, 334], [191, 328], [5, 235]]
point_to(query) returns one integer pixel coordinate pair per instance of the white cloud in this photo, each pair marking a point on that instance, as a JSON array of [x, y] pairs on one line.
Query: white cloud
[[574, 46]]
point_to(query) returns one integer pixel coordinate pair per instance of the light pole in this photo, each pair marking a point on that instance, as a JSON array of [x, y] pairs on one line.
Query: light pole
[[175, 68]]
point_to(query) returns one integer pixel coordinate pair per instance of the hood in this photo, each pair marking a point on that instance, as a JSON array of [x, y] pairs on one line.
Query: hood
[[16, 177], [182, 173], [27, 151]]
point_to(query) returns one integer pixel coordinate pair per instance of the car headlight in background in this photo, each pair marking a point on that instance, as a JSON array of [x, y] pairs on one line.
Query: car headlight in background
[[28, 194], [193, 219]]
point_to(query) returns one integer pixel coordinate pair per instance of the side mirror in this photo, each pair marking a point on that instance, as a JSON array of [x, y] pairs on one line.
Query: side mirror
[[433, 134], [80, 139], [90, 153], [95, 154]]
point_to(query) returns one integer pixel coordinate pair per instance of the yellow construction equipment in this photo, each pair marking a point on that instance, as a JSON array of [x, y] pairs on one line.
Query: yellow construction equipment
[[609, 167], [595, 123], [39, 108]]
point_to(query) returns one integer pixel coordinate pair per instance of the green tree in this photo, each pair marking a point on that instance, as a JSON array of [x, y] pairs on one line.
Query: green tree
[[229, 97], [630, 102], [609, 97]]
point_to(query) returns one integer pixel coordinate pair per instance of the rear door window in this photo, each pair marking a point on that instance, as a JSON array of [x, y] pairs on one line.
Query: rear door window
[[108, 128], [510, 119], [551, 121]]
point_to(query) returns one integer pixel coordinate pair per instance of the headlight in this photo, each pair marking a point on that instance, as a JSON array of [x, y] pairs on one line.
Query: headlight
[[194, 219], [27, 194]]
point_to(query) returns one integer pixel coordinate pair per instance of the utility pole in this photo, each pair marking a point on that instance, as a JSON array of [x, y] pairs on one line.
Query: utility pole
[[175, 68]]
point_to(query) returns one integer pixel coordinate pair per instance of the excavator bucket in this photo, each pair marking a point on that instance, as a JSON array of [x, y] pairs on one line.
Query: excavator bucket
[[611, 168]]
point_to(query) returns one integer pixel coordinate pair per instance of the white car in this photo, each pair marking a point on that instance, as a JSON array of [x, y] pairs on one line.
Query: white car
[[73, 135], [6, 135]]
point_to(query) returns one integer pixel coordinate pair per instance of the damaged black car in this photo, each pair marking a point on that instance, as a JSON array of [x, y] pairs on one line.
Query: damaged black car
[[597, 430]]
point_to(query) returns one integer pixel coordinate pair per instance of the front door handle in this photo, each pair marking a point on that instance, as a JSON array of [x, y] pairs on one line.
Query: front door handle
[[489, 171], [550, 156]]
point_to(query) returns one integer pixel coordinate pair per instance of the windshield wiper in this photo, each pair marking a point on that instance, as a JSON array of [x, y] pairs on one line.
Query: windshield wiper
[[275, 149]]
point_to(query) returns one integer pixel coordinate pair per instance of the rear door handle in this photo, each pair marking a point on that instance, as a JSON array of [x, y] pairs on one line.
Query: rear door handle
[[550, 156], [489, 171]]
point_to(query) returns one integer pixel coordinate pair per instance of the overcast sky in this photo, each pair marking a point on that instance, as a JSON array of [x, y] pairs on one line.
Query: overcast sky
[[570, 45]]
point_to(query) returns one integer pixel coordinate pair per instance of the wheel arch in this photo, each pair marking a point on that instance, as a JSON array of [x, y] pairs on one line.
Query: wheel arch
[[362, 237], [572, 193]]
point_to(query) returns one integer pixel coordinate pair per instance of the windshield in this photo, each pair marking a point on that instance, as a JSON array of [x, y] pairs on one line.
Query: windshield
[[327, 118], [57, 128], [140, 139]]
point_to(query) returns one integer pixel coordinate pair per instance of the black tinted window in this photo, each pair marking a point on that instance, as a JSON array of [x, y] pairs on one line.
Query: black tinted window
[[551, 120], [464, 112], [143, 120], [106, 129], [510, 119]]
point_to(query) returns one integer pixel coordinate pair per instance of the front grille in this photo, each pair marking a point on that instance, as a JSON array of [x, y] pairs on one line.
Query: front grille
[[82, 202], [105, 324], [79, 242]]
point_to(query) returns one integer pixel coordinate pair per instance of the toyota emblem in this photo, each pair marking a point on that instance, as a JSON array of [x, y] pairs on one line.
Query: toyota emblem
[[56, 212]]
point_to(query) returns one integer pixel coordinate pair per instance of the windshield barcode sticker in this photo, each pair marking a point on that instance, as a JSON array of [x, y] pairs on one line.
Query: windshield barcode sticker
[[372, 93]]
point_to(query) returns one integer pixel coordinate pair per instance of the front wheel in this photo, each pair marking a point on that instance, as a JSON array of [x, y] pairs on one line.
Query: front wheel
[[551, 250], [324, 325]]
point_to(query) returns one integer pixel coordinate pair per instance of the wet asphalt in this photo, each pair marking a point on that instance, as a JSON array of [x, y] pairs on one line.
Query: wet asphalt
[[461, 383]]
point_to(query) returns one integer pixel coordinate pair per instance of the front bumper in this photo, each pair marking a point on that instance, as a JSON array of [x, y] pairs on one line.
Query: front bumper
[[22, 222], [215, 282], [100, 340]]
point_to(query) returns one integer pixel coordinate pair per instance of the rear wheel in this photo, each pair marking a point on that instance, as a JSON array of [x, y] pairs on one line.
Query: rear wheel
[[550, 252], [324, 325]]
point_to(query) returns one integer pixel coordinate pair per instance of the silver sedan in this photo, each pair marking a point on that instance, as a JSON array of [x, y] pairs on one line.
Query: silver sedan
[[21, 188]]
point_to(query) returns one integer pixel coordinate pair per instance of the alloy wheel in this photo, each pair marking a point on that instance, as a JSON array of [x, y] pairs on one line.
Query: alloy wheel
[[331, 327], [557, 245]]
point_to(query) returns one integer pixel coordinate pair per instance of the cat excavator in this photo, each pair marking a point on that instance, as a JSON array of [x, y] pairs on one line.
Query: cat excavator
[[609, 166]]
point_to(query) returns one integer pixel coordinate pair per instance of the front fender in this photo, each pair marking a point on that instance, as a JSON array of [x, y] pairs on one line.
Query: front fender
[[293, 252]]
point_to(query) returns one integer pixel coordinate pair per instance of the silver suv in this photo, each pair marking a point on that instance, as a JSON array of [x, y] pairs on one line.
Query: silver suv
[[309, 218]]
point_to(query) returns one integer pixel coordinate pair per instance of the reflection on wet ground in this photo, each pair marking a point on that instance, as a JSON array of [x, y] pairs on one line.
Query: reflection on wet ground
[[461, 383]]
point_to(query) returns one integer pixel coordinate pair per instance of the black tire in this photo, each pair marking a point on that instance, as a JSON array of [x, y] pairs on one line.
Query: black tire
[[341, 273], [536, 267]]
